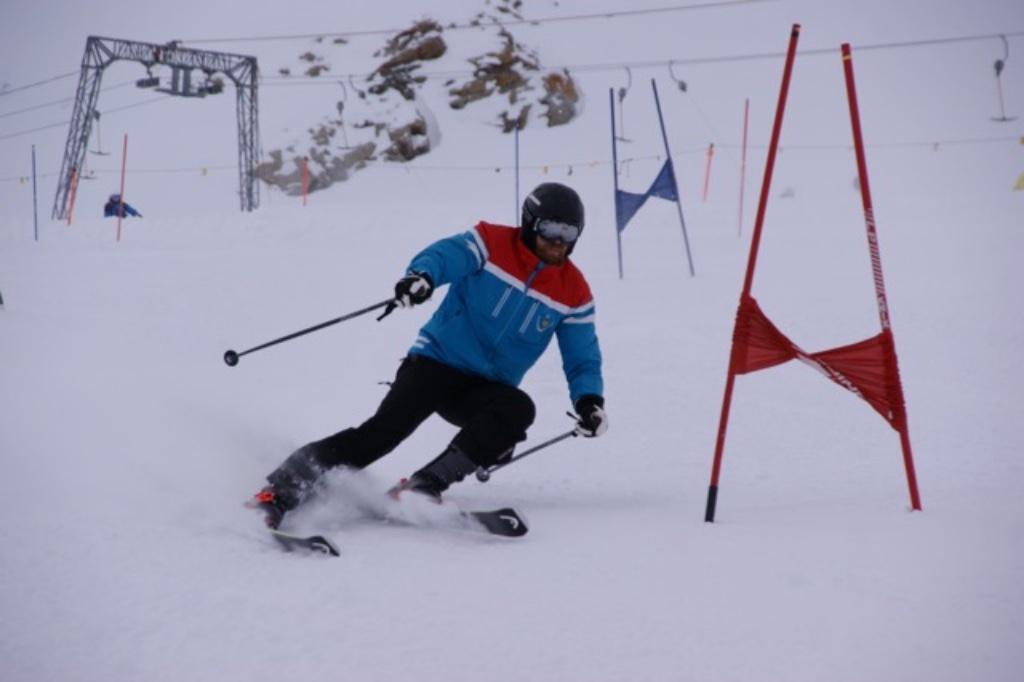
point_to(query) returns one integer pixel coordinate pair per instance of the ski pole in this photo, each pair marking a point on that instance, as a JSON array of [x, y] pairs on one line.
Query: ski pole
[[231, 357], [483, 474]]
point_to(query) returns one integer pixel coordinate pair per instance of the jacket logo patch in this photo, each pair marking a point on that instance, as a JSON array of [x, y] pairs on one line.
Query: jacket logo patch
[[543, 322]]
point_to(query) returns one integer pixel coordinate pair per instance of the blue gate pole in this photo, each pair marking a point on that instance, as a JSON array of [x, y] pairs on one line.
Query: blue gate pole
[[668, 154], [615, 176], [35, 203]]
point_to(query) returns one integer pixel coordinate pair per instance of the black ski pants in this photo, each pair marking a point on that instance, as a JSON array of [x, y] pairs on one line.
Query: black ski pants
[[492, 416]]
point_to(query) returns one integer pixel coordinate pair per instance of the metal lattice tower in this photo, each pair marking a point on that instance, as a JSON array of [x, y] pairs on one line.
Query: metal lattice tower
[[101, 52]]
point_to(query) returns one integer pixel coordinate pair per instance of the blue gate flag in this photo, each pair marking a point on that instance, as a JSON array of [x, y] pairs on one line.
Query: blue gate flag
[[628, 203]]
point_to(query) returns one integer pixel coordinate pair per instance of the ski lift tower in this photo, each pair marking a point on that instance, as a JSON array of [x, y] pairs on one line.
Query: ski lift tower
[[101, 52]]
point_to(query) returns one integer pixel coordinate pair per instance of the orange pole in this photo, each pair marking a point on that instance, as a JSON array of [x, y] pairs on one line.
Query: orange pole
[[74, 190], [305, 179], [707, 171]]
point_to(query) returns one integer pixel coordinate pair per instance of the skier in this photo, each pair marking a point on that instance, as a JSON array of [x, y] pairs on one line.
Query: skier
[[114, 206], [511, 290]]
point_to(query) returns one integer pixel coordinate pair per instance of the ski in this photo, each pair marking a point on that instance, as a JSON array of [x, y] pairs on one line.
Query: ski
[[311, 543], [505, 522]]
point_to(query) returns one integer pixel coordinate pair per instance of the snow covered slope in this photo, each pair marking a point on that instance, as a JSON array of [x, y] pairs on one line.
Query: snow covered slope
[[127, 446]]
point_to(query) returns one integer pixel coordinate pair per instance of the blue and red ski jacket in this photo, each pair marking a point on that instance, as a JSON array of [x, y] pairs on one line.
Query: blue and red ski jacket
[[503, 307]]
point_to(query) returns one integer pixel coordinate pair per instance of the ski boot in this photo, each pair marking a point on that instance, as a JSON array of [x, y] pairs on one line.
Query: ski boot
[[451, 466], [429, 487], [273, 506], [290, 484]]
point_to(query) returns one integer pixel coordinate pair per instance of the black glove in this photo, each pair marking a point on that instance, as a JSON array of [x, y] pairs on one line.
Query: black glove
[[413, 289], [593, 420]]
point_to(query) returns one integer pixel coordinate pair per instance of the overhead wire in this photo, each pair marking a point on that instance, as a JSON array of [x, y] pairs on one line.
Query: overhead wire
[[477, 24], [468, 25], [9, 91], [58, 101], [579, 68], [585, 67], [105, 111], [935, 145], [653, 63]]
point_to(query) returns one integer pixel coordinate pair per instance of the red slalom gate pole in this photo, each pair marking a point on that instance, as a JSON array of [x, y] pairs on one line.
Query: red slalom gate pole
[[743, 162], [707, 171], [876, 269], [716, 469], [120, 207]]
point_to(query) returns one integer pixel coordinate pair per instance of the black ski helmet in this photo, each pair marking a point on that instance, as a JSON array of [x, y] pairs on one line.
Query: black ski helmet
[[551, 201]]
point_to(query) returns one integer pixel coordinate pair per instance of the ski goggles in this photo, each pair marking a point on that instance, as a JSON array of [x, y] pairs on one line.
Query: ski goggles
[[554, 230]]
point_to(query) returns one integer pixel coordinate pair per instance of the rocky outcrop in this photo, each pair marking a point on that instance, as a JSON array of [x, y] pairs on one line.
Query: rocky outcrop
[[325, 168], [408, 141], [406, 53], [510, 74], [560, 98]]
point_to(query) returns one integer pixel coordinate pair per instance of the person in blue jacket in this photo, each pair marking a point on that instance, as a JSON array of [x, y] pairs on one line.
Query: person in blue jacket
[[511, 290], [114, 206]]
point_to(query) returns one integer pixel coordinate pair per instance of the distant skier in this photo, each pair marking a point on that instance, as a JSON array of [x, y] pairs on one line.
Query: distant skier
[[114, 206], [511, 290]]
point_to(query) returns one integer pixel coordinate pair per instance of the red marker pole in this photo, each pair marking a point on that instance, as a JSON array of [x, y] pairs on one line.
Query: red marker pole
[[900, 419], [716, 469]]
